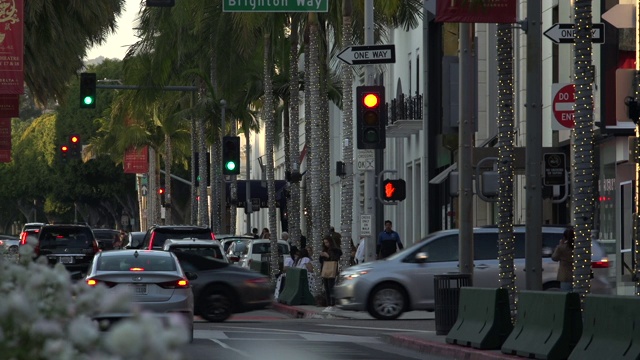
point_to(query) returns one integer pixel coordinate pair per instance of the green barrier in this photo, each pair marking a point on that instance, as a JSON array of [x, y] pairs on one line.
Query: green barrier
[[484, 319], [296, 288], [262, 267], [611, 328], [548, 326]]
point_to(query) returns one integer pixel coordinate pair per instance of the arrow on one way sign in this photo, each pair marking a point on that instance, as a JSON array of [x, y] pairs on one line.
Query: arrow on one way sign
[[564, 33], [370, 54]]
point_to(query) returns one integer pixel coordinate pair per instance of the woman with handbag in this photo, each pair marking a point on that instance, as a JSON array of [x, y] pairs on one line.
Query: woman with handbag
[[329, 258]]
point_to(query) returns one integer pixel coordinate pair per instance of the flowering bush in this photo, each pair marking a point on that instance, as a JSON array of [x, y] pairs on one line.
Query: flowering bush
[[44, 315]]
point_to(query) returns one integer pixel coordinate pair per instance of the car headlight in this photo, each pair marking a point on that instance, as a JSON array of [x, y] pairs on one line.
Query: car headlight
[[355, 274]]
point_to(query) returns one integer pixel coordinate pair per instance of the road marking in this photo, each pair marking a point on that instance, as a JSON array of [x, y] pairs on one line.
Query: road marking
[[374, 328], [230, 348]]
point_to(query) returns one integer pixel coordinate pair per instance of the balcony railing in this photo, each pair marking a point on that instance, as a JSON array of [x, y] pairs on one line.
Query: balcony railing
[[405, 108]]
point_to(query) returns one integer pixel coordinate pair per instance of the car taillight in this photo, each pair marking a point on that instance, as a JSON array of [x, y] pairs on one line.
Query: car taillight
[[153, 236], [213, 237], [175, 284], [96, 248], [257, 281], [602, 264], [136, 269], [23, 238], [94, 282]]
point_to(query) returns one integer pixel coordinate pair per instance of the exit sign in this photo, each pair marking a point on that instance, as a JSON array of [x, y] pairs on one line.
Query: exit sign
[[275, 5]]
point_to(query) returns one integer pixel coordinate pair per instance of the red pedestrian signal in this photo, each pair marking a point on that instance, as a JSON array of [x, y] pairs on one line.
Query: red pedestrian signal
[[371, 117], [393, 190]]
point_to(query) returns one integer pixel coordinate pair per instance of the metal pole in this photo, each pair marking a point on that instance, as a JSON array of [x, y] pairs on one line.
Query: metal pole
[[533, 235], [466, 128], [370, 205], [223, 184], [247, 201]]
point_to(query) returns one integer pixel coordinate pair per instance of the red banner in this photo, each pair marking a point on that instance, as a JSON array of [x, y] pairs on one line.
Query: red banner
[[11, 47], [136, 161], [469, 11], [9, 106], [5, 140]]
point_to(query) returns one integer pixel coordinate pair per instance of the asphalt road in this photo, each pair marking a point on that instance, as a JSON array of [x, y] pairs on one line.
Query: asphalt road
[[270, 335]]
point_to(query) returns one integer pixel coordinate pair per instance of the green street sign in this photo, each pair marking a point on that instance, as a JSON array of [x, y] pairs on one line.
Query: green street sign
[[275, 5]]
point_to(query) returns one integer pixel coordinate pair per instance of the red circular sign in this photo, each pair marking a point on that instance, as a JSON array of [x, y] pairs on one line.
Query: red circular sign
[[563, 102]]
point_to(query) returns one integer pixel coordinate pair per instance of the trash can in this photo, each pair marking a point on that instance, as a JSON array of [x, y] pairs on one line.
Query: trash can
[[446, 289]]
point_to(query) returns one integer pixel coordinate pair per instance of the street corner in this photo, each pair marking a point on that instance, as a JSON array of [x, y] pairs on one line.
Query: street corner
[[297, 312]]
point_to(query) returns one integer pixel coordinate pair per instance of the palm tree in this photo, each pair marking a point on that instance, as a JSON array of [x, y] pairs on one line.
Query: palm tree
[[582, 181], [506, 241], [73, 27]]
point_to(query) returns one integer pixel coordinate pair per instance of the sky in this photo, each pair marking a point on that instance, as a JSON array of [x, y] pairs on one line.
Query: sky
[[117, 43]]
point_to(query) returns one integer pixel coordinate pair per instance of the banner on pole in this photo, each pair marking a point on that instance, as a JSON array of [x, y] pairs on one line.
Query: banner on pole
[[12, 47], [486, 11]]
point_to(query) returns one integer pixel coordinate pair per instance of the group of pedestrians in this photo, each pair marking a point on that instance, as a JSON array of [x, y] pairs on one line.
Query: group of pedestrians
[[388, 242]]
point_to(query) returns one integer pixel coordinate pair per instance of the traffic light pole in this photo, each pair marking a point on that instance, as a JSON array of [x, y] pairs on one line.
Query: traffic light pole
[[370, 204]]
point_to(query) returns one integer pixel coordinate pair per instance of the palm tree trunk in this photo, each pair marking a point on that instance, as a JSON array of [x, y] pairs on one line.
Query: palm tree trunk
[[269, 120], [317, 229], [347, 135], [583, 149], [506, 242], [194, 189], [324, 140], [203, 218], [293, 204]]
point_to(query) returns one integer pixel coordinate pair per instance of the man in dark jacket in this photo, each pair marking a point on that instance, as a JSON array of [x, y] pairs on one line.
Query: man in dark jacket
[[388, 241]]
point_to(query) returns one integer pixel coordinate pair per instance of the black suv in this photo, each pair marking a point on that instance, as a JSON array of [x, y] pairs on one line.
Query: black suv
[[74, 246], [156, 235]]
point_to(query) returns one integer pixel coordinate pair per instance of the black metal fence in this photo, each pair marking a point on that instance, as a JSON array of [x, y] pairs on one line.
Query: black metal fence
[[405, 108]]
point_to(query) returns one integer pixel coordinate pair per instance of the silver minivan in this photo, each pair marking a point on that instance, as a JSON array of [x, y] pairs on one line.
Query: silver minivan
[[404, 281]]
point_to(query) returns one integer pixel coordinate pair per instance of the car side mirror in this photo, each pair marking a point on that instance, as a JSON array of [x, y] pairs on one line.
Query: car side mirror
[[422, 257], [191, 275]]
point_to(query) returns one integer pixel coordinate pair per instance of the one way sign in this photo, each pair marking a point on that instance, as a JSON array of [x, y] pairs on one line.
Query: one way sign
[[370, 54], [564, 33]]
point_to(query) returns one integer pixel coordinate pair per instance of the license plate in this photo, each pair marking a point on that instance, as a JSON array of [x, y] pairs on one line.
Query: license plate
[[66, 260], [139, 289]]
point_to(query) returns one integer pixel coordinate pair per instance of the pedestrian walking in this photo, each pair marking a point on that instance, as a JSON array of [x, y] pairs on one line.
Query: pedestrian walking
[[254, 232], [388, 241], [265, 234], [563, 254], [329, 258]]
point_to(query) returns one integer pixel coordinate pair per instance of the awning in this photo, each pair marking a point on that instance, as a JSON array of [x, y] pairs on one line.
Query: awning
[[440, 178]]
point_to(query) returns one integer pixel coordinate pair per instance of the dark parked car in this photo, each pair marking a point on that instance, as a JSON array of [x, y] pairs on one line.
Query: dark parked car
[[222, 289], [106, 237], [156, 235], [74, 246]]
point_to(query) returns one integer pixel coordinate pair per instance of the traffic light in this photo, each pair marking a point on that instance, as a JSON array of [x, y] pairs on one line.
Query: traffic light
[[394, 190], [87, 90], [161, 195], [161, 3], [371, 117], [64, 152], [231, 155], [75, 146]]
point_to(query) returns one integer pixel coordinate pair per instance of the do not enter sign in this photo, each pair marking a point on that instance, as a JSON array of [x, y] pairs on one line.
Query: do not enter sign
[[564, 98]]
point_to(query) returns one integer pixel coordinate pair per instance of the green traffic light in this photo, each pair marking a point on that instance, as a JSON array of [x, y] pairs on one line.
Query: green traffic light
[[230, 165], [88, 100]]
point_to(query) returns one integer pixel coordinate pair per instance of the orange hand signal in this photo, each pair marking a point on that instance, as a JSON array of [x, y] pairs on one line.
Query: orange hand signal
[[389, 189]]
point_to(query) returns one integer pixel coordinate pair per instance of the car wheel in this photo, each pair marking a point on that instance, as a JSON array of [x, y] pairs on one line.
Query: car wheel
[[13, 250], [216, 306], [386, 302]]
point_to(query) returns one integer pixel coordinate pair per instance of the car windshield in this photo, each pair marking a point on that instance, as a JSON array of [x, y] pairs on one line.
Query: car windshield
[[130, 262], [106, 234], [265, 248], [161, 235], [66, 238], [237, 247], [212, 252]]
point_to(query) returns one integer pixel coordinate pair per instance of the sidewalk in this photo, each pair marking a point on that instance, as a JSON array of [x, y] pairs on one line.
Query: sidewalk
[[428, 343]]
